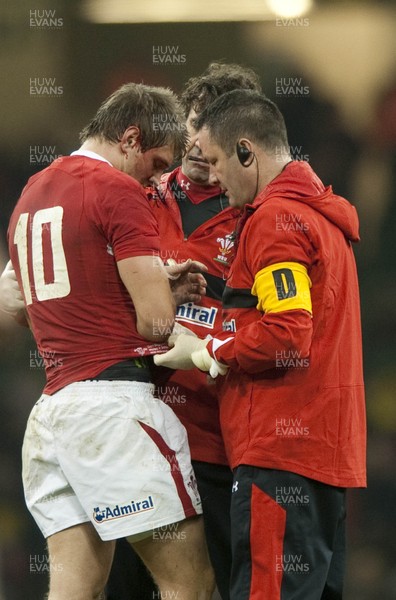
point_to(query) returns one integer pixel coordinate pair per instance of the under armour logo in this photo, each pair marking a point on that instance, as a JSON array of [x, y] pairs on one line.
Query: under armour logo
[[185, 184], [235, 487]]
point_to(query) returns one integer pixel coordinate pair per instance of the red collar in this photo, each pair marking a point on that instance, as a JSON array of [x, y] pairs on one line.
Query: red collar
[[196, 193]]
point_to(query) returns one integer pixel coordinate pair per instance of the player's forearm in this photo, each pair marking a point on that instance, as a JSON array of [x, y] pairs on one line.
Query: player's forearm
[[266, 343], [147, 283], [156, 326]]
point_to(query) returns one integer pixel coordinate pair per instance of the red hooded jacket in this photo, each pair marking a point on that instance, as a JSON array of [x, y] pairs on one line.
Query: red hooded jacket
[[293, 398]]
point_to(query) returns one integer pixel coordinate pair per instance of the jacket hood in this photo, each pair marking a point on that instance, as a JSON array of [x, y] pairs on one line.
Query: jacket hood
[[298, 182]]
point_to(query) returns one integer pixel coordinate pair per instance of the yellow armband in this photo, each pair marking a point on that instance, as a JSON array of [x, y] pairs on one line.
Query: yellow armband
[[283, 286]]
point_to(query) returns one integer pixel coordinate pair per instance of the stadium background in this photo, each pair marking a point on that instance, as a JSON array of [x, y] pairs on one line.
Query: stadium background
[[332, 72]]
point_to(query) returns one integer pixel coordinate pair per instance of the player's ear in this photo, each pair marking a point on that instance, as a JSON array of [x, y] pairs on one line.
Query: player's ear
[[130, 138]]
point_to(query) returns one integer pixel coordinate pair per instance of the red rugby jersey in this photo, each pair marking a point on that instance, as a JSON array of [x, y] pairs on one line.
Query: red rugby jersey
[[293, 398], [184, 204], [72, 223]]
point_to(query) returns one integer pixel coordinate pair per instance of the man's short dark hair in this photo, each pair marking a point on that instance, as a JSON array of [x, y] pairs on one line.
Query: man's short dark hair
[[156, 111], [218, 78], [244, 114]]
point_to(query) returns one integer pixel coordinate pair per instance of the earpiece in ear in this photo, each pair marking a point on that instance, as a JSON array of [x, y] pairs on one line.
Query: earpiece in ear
[[245, 156]]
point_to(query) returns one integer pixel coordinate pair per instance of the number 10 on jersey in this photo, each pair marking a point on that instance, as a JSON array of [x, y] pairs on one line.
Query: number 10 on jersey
[[60, 286]]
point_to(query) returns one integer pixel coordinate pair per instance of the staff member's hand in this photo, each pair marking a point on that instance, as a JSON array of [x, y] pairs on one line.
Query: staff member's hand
[[188, 352]]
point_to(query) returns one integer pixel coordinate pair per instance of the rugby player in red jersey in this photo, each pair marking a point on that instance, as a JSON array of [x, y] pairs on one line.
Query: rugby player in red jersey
[[84, 244], [292, 405]]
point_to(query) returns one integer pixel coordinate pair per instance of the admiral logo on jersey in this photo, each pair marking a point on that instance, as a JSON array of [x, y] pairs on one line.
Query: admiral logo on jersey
[[117, 512], [201, 315]]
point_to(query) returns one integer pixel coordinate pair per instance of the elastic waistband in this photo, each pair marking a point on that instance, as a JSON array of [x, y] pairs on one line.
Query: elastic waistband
[[133, 369]]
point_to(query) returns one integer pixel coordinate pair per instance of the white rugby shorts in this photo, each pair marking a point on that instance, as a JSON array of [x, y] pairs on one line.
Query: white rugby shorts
[[107, 452]]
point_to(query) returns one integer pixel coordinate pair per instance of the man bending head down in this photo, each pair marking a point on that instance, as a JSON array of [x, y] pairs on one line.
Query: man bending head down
[[199, 92], [84, 244]]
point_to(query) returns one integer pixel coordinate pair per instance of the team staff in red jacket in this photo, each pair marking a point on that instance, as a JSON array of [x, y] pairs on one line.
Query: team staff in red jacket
[[194, 220], [292, 402]]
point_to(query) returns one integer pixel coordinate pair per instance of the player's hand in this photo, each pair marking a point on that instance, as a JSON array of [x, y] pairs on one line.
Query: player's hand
[[188, 352], [175, 269], [186, 280], [11, 299]]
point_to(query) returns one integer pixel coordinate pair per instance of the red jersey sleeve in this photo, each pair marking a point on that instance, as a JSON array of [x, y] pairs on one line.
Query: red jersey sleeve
[[262, 344], [127, 221], [258, 345]]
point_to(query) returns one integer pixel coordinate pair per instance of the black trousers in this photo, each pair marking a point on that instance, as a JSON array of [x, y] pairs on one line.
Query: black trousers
[[130, 580], [214, 485], [288, 537]]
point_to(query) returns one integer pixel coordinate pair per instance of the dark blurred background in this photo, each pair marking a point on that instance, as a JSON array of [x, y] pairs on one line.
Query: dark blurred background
[[330, 66]]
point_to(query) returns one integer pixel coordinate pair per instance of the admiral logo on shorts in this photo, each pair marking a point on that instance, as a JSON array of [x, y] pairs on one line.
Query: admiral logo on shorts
[[126, 510], [193, 485], [229, 325]]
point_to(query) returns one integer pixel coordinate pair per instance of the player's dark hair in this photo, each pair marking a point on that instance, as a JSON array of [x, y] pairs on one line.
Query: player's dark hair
[[156, 111], [218, 78], [244, 114]]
